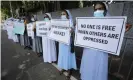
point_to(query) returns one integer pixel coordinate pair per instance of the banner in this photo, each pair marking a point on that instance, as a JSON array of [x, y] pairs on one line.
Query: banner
[[19, 28], [9, 24], [30, 29], [42, 28], [103, 34], [9, 28], [60, 31]]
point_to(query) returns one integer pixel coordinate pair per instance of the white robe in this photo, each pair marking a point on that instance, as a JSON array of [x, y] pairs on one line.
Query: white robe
[[15, 38], [49, 50]]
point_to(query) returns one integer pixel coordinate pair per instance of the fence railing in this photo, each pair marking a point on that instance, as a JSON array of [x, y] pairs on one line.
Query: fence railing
[[122, 66]]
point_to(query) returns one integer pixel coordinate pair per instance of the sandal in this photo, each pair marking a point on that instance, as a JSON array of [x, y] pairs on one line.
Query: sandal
[[68, 77], [38, 54], [61, 72]]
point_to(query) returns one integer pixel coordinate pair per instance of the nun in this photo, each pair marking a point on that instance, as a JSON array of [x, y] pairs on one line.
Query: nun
[[49, 48], [66, 58], [37, 41], [94, 63]]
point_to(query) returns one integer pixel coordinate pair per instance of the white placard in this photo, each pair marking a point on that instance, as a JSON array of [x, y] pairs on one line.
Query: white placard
[[30, 29], [103, 33], [42, 28], [60, 31], [9, 24]]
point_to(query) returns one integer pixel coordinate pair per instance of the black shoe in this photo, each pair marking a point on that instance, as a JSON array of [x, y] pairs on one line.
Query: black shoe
[[29, 48], [68, 77], [41, 53], [25, 47], [61, 72], [38, 54]]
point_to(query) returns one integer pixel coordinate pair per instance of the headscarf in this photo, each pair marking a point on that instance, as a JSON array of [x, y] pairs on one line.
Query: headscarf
[[35, 17], [70, 18], [72, 34], [107, 8], [49, 15]]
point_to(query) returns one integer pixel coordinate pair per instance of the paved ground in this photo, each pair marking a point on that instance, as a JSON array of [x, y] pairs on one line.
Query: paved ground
[[20, 64]]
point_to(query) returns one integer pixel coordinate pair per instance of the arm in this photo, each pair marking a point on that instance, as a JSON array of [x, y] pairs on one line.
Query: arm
[[34, 26]]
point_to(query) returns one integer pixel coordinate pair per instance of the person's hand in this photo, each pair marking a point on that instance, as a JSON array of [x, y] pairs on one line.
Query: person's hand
[[128, 26], [71, 30], [34, 29], [34, 26]]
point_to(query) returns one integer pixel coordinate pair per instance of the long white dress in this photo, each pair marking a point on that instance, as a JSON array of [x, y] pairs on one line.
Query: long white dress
[[94, 64], [49, 50], [9, 33], [66, 58], [14, 37]]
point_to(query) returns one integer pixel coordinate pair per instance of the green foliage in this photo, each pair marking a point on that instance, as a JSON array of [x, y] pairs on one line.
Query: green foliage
[[5, 12]]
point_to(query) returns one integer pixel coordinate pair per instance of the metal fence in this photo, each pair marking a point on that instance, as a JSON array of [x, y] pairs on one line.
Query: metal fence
[[122, 66]]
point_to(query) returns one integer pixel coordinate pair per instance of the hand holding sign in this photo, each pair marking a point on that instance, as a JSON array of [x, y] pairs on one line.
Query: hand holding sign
[[71, 30], [128, 26]]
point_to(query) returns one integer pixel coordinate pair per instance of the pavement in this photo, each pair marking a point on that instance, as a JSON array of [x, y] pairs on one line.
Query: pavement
[[18, 63]]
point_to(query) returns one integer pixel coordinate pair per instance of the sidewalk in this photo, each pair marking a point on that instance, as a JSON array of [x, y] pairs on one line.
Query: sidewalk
[[20, 64]]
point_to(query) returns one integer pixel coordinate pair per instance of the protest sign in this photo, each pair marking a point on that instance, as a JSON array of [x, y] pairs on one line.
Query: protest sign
[[60, 31], [9, 27], [9, 24], [103, 34], [42, 28], [19, 28], [30, 29]]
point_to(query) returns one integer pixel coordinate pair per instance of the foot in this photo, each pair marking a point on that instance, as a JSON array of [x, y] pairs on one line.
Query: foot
[[29, 48], [53, 61], [68, 77], [38, 54], [41, 54], [61, 72], [25, 47]]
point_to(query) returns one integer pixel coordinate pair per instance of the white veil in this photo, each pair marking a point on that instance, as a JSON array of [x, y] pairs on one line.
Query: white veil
[[107, 8], [70, 18], [49, 15]]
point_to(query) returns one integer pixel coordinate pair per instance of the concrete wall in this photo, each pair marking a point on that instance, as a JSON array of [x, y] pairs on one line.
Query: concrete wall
[[117, 9]]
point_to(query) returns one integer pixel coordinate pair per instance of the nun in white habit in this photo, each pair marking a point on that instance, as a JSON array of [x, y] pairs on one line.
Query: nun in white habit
[[49, 48], [94, 64], [66, 58]]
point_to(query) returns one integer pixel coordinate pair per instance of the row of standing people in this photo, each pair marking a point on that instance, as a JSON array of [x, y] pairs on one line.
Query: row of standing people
[[66, 58], [94, 63]]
